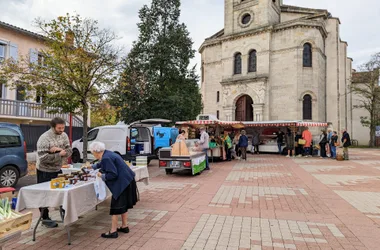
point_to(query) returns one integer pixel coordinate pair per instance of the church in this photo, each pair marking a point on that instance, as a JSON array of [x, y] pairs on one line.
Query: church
[[273, 61]]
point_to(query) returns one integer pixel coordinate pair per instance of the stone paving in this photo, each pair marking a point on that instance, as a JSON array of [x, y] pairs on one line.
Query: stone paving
[[267, 202]]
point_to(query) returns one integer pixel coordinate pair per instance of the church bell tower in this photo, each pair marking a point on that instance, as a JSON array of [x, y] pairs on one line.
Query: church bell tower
[[245, 15]]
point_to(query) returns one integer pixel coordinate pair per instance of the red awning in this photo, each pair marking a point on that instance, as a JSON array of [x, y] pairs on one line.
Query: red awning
[[197, 122]]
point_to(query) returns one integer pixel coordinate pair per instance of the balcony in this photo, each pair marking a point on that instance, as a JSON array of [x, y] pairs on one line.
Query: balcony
[[31, 110]]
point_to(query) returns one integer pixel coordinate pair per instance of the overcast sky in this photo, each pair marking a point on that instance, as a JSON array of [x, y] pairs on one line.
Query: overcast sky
[[360, 19]]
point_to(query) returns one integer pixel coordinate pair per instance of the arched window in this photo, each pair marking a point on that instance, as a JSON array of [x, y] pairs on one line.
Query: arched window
[[252, 61], [237, 64], [307, 107], [307, 55]]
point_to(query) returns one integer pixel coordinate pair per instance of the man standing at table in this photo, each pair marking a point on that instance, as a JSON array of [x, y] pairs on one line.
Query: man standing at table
[[53, 147]]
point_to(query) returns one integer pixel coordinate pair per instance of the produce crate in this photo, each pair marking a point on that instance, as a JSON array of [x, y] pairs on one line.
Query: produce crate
[[21, 223]]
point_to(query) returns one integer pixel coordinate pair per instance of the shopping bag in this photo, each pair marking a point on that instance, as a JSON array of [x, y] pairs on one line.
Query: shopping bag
[[100, 189], [301, 142]]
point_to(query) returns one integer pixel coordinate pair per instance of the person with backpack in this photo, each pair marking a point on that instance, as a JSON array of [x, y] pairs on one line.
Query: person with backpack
[[243, 144], [346, 141]]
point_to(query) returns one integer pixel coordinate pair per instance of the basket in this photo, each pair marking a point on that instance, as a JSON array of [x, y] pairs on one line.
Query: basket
[[21, 223], [339, 157]]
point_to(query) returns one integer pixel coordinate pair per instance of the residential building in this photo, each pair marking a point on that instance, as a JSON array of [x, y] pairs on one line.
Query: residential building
[[15, 105]]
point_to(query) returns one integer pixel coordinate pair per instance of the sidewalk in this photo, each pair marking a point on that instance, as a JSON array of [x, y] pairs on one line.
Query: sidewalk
[[267, 202]]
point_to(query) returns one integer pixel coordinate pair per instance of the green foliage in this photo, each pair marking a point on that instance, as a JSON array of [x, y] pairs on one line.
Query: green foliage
[[75, 67], [157, 81], [366, 86]]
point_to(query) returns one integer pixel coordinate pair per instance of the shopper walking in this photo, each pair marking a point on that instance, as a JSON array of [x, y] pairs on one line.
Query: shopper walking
[[243, 144], [290, 143], [280, 141], [307, 136], [346, 141], [322, 143], [256, 142], [53, 148]]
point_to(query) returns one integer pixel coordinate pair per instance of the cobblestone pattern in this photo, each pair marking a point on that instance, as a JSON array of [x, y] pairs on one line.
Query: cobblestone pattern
[[324, 168], [158, 192], [229, 232], [249, 176], [366, 202], [345, 180], [86, 231]]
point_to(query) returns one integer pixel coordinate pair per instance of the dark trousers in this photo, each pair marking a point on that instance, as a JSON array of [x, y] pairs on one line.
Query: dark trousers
[[323, 150], [243, 153], [299, 150], [237, 150], [256, 148], [44, 177], [228, 153]]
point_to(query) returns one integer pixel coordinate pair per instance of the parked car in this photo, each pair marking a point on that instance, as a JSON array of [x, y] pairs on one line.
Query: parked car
[[13, 163], [115, 138]]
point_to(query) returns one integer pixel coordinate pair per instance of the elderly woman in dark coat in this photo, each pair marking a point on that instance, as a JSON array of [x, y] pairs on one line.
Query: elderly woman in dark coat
[[120, 180]]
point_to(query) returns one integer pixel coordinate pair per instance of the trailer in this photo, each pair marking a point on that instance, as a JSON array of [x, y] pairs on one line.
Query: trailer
[[182, 156]]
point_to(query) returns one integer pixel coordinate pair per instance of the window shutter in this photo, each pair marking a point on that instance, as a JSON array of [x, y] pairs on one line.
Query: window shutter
[[13, 51], [33, 56]]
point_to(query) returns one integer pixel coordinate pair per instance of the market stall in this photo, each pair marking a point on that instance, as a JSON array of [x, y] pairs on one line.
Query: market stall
[[73, 200], [183, 155], [216, 130], [268, 130]]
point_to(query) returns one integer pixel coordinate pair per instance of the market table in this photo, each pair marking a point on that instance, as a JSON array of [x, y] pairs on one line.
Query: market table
[[74, 201]]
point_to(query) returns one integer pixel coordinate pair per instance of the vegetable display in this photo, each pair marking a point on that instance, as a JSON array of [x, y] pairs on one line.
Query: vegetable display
[[5, 210]]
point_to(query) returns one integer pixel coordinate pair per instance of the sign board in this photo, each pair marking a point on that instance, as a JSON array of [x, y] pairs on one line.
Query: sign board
[[377, 131]]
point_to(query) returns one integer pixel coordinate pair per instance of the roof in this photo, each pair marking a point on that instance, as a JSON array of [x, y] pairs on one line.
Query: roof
[[21, 30], [297, 9], [281, 123]]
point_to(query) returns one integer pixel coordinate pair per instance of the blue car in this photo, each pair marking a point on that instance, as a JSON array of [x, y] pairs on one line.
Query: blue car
[[13, 163]]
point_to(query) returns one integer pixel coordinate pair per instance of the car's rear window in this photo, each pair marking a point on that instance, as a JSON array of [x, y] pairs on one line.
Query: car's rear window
[[9, 138]]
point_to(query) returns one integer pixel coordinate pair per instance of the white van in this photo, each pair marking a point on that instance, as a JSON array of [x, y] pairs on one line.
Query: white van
[[115, 137]]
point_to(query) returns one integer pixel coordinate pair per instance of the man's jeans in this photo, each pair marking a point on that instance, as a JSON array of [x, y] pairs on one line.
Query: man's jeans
[[205, 151], [279, 147], [333, 151], [307, 151]]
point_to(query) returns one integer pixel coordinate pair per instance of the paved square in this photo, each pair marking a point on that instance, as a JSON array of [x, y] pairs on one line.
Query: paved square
[[231, 232], [324, 168], [249, 176], [345, 180], [268, 202], [366, 202]]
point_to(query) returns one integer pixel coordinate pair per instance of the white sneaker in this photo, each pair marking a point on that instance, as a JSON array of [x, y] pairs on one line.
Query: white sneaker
[[287, 156]]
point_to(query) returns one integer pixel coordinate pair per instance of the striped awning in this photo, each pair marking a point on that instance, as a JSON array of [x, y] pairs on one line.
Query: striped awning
[[312, 124], [197, 122]]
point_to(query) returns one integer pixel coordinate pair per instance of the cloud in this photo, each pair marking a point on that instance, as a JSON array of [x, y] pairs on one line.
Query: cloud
[[360, 19]]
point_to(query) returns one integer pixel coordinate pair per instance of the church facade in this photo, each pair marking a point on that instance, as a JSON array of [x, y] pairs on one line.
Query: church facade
[[277, 62]]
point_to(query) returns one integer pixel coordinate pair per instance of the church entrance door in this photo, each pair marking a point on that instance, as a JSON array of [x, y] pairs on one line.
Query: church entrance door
[[244, 109]]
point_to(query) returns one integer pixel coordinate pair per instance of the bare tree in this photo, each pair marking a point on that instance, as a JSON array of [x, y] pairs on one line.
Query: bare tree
[[365, 85]]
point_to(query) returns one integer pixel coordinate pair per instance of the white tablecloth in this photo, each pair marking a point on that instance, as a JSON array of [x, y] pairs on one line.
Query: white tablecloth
[[76, 200]]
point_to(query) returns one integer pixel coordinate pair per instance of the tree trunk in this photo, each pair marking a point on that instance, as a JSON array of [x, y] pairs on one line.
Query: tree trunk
[[85, 128], [372, 135]]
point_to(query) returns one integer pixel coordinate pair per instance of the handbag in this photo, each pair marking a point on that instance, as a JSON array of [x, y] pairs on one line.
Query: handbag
[[301, 141], [336, 144]]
